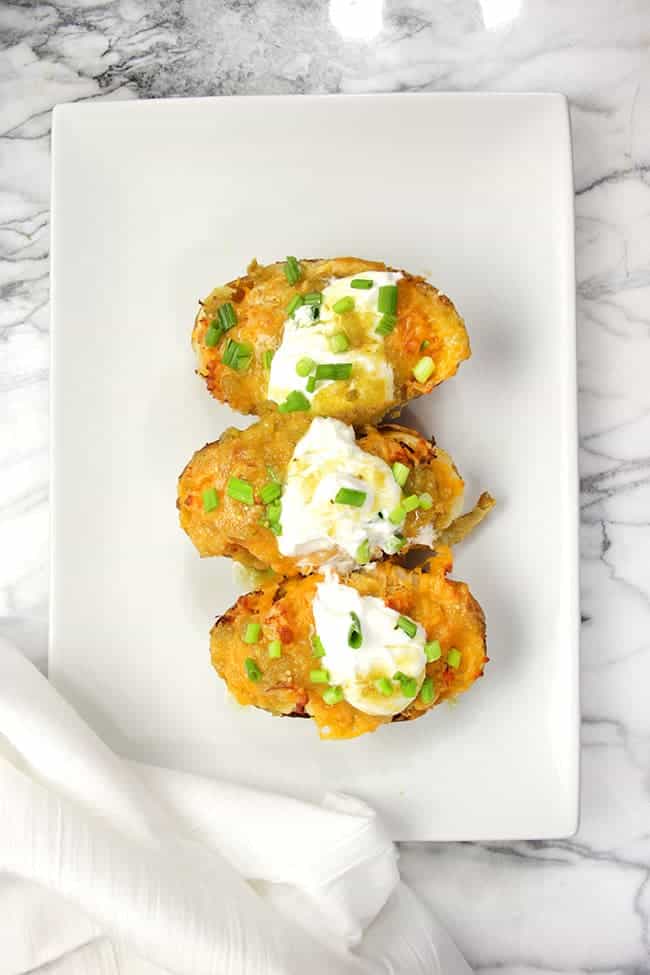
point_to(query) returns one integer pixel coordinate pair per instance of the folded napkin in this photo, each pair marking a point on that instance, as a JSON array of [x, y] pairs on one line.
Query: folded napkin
[[112, 866]]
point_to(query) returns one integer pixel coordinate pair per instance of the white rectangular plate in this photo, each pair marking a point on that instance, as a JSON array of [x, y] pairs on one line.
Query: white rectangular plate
[[157, 202]]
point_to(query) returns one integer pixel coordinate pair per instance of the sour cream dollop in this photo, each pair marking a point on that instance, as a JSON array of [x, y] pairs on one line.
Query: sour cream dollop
[[385, 648], [304, 337], [326, 459]]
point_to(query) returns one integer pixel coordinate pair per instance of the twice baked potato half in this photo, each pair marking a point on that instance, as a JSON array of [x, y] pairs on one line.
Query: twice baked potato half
[[346, 338], [379, 646], [293, 493]]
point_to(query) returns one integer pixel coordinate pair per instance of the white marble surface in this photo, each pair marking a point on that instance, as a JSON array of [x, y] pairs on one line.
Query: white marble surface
[[573, 906]]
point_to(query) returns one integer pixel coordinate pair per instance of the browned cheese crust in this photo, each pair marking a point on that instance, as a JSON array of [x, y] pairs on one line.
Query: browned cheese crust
[[264, 450], [260, 299], [445, 608]]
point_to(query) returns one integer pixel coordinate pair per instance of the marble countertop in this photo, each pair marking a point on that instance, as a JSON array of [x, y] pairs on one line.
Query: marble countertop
[[570, 906]]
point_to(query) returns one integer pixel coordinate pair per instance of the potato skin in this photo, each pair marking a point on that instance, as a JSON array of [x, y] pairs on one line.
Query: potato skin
[[260, 298], [446, 609], [236, 529]]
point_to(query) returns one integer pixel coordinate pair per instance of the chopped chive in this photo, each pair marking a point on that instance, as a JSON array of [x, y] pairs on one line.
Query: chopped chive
[[319, 676], [387, 300], [210, 500], [212, 336], [453, 658], [271, 492], [310, 385], [240, 490], [363, 553], [349, 496], [343, 305], [384, 686], [253, 672], [363, 284], [294, 304], [252, 632], [407, 625], [426, 693], [292, 270], [275, 528], [317, 648], [274, 510], [338, 342], [333, 370], [411, 503], [397, 515], [237, 355], [394, 544], [432, 650], [426, 501], [355, 636], [333, 695], [305, 366], [424, 344], [275, 649], [267, 358], [295, 402], [386, 325], [227, 316], [408, 684], [400, 473], [424, 368], [313, 298]]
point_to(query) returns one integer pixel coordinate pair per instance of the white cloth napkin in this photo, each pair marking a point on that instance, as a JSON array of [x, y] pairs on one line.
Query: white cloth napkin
[[114, 867]]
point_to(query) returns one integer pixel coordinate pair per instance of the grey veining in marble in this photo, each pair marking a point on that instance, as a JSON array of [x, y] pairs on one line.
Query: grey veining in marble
[[572, 906]]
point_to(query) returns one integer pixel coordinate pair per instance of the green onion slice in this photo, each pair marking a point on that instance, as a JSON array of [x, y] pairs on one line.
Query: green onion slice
[[432, 650], [210, 499], [319, 676], [424, 368], [274, 510], [387, 300], [426, 694], [386, 325], [237, 355], [400, 473], [411, 503], [397, 515], [275, 528], [252, 632], [227, 316], [318, 650], [333, 695], [408, 684], [253, 672], [407, 625], [363, 284], [338, 342], [333, 370], [343, 305], [275, 649], [295, 402], [294, 304], [212, 336], [267, 358], [292, 270], [349, 496], [305, 366], [271, 492], [426, 501], [240, 490], [310, 385], [363, 553], [313, 298], [355, 636], [385, 686], [453, 658]]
